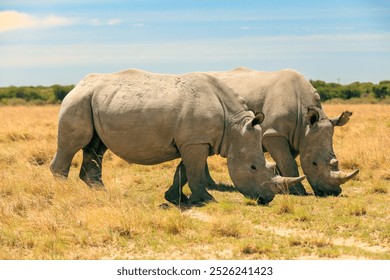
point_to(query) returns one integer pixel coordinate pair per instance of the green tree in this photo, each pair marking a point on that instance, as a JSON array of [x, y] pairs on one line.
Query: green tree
[[380, 92], [349, 92]]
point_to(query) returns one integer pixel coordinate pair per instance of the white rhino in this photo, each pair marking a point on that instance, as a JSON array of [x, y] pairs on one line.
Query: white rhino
[[148, 118], [295, 124]]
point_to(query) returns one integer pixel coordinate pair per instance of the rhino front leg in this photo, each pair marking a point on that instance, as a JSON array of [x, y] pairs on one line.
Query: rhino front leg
[[194, 158], [175, 194], [279, 149]]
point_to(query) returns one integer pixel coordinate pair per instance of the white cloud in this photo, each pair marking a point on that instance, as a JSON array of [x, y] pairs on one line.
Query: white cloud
[[114, 21], [95, 22], [99, 22], [11, 20], [139, 25]]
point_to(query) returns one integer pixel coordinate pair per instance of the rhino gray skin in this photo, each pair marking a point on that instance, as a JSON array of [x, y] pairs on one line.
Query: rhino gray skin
[[147, 119], [295, 124]]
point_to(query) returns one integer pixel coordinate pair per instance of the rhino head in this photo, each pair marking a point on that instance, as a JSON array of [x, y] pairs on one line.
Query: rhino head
[[248, 169], [319, 163]]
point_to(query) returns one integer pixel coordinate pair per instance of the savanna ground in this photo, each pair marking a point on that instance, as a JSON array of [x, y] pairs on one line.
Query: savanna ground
[[44, 218]]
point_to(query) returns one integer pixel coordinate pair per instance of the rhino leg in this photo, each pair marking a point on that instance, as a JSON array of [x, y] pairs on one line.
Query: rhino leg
[[75, 131], [175, 194], [91, 169], [210, 183], [195, 159], [279, 149], [60, 164]]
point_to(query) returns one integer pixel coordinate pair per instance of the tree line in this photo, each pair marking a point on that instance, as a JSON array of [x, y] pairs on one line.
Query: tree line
[[54, 94], [368, 91], [38, 95]]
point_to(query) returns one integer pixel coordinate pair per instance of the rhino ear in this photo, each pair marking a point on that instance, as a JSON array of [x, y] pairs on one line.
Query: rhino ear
[[312, 116], [342, 119], [258, 119]]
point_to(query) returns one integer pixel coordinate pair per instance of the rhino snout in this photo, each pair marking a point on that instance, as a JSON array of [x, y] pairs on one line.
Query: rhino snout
[[264, 200]]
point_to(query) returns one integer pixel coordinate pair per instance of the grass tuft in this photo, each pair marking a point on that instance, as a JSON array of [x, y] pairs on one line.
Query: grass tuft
[[358, 210], [260, 249], [286, 206]]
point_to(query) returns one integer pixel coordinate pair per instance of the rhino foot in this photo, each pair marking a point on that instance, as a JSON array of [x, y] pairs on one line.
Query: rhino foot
[[175, 198], [201, 199]]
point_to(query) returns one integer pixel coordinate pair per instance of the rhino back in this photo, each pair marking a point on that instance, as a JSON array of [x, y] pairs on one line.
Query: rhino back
[[145, 118]]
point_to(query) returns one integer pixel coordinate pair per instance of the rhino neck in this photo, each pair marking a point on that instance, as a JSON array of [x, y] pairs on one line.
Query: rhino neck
[[234, 111], [299, 124], [233, 123]]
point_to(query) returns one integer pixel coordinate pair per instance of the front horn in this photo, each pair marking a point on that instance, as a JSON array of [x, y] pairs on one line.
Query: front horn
[[340, 177], [284, 182]]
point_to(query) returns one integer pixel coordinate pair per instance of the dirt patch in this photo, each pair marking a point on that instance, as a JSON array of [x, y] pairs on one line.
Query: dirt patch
[[342, 257], [288, 232], [339, 241], [193, 213]]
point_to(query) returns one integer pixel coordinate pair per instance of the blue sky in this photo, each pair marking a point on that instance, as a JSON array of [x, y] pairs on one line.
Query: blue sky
[[46, 42]]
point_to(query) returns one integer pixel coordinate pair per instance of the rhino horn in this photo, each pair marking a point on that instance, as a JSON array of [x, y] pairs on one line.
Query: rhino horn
[[284, 182], [340, 177]]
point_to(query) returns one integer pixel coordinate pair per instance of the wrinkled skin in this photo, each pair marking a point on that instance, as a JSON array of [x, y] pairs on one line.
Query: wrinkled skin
[[148, 118], [295, 124]]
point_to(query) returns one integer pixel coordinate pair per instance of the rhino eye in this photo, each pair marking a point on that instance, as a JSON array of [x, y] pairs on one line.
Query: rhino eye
[[253, 167], [314, 163]]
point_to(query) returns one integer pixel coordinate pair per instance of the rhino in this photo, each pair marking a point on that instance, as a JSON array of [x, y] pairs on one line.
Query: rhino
[[295, 125], [146, 118]]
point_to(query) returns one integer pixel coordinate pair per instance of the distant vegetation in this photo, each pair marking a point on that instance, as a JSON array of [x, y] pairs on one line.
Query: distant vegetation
[[356, 92], [359, 92], [33, 95]]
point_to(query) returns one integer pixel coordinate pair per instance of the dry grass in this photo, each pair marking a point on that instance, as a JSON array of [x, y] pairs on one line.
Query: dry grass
[[43, 218]]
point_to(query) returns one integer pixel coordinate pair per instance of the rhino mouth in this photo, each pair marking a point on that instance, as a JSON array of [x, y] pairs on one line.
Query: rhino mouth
[[264, 201], [324, 193]]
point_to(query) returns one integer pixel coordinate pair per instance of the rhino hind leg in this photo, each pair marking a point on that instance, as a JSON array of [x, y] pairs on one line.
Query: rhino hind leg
[[195, 158], [91, 168], [61, 162], [175, 194], [75, 131]]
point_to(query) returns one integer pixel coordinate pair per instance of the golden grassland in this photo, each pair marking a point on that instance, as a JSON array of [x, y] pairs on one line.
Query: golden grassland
[[44, 218]]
